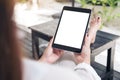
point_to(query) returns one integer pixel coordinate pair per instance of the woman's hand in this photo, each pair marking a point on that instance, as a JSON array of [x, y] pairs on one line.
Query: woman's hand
[[50, 54], [84, 56]]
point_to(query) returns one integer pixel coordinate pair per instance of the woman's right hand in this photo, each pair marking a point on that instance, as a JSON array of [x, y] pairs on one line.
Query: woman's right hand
[[84, 56]]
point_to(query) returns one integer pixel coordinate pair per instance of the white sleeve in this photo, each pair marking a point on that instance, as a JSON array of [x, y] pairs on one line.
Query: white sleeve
[[86, 72], [33, 70]]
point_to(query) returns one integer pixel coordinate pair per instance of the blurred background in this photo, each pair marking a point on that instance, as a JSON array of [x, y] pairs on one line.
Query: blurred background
[[32, 12]]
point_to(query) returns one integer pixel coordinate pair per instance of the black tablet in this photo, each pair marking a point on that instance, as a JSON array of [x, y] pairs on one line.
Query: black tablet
[[71, 29]]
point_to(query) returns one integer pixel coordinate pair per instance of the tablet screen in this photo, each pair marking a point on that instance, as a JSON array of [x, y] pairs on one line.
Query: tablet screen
[[71, 28]]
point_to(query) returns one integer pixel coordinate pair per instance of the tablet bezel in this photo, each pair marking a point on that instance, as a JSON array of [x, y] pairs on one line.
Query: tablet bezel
[[68, 48]]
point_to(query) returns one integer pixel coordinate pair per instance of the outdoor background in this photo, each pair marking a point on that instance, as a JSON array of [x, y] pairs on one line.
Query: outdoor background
[[28, 14]]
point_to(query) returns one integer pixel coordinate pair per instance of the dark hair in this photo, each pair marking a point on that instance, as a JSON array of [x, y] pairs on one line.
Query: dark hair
[[10, 63]]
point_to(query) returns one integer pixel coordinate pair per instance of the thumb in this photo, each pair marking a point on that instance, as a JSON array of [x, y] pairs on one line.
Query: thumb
[[50, 43]]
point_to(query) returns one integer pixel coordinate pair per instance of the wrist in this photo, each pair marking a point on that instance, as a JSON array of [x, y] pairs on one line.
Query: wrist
[[42, 60], [87, 61], [45, 60]]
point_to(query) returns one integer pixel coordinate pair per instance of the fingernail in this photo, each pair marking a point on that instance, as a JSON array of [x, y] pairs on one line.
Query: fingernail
[[98, 17]]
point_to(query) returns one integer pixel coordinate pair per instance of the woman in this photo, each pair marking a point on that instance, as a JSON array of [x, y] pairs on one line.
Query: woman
[[14, 67]]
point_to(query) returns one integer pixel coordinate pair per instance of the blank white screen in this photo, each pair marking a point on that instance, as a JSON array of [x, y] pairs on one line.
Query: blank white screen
[[71, 29]]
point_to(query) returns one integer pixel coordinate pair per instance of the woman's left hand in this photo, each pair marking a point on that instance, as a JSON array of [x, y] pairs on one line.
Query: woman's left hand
[[51, 55]]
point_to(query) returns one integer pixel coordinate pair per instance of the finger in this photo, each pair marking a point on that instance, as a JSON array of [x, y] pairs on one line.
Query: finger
[[87, 40], [98, 19], [50, 43], [93, 21]]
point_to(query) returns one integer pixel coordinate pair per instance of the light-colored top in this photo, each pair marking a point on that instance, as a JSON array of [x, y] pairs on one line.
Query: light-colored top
[[33, 70]]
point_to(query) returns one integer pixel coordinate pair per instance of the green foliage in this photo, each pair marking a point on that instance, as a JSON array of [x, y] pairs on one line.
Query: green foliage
[[22, 1], [108, 7], [103, 2], [94, 1], [82, 2], [112, 3]]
